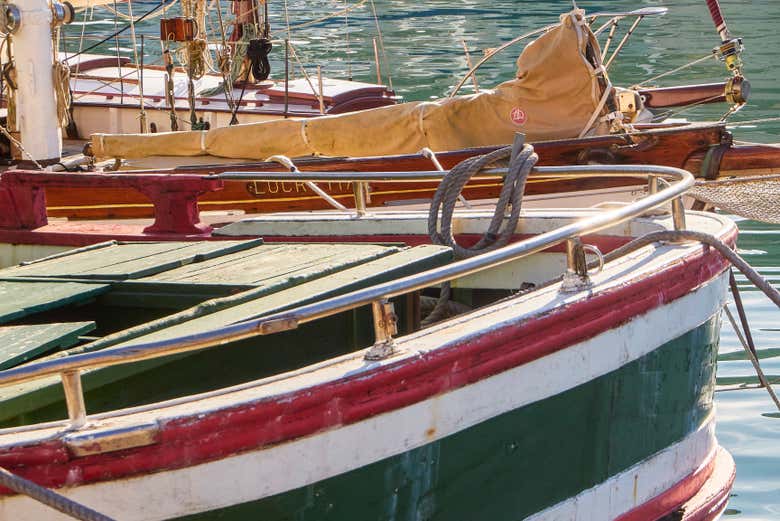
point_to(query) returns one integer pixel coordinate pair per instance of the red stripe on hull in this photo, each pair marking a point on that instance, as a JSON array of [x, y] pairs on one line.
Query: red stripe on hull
[[711, 499], [192, 440], [700, 496]]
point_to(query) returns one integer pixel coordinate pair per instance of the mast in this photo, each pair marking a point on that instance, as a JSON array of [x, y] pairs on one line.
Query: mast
[[33, 49]]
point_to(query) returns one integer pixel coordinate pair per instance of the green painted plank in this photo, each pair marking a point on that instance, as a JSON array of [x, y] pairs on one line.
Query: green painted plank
[[21, 343], [129, 260], [401, 263], [23, 298], [272, 265], [45, 395]]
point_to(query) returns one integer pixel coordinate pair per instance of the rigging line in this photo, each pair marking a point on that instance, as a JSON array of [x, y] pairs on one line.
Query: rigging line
[[287, 18], [119, 14], [753, 121], [107, 83], [346, 35], [382, 45], [678, 69], [497, 50], [142, 113], [18, 144], [224, 55], [753, 360], [81, 38], [305, 74], [118, 63], [233, 119], [123, 29]]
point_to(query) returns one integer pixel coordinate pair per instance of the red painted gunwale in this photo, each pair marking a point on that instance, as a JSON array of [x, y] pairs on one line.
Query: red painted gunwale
[[196, 439]]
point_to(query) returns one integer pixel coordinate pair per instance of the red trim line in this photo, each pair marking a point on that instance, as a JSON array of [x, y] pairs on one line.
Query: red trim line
[[699, 496], [711, 499], [197, 439]]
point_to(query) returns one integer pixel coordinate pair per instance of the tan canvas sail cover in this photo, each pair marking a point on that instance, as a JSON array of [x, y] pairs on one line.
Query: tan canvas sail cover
[[555, 95]]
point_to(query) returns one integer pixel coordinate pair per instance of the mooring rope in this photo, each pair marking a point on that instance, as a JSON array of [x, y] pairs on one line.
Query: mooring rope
[[49, 497]]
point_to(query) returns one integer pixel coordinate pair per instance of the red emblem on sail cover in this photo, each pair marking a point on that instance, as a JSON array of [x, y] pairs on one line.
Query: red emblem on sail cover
[[518, 116]]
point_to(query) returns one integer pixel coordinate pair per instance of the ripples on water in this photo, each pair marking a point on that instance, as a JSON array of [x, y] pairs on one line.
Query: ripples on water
[[425, 58]]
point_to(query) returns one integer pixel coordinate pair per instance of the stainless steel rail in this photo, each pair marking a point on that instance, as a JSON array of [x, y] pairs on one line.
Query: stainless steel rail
[[70, 367], [359, 179], [638, 171]]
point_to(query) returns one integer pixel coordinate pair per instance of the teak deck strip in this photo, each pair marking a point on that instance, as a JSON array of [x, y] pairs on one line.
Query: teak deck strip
[[21, 343]]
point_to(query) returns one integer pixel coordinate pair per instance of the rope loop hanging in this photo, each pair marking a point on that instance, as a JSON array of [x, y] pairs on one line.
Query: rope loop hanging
[[511, 195]]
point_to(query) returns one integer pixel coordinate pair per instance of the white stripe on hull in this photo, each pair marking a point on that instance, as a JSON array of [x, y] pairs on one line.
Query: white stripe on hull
[[256, 474], [649, 479]]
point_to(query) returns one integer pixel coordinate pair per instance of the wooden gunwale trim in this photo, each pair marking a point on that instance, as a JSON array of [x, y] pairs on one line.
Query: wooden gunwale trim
[[210, 436]]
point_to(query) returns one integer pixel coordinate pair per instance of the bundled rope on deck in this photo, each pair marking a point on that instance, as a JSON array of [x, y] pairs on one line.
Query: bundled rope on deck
[[62, 89], [511, 197]]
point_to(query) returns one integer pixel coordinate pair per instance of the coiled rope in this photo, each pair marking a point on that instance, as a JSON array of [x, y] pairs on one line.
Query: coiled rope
[[447, 194], [62, 92], [451, 186], [49, 497]]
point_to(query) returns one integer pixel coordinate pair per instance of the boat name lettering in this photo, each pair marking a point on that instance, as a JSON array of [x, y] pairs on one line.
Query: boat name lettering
[[258, 188]]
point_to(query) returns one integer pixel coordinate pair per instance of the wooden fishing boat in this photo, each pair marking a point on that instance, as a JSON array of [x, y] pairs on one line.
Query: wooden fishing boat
[[242, 377], [704, 149]]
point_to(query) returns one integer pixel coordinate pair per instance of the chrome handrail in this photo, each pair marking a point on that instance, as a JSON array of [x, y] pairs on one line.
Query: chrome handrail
[[585, 171], [359, 179], [69, 367]]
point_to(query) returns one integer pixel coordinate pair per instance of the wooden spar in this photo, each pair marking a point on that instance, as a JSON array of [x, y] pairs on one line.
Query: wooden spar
[[678, 146], [662, 97]]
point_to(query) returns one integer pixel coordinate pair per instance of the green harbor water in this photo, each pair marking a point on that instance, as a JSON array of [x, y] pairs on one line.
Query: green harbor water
[[423, 55]]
